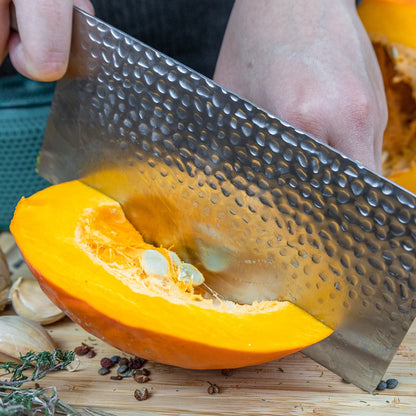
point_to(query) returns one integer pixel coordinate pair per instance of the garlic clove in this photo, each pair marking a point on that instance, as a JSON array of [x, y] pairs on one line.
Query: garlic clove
[[29, 301], [5, 282], [20, 335], [4, 298]]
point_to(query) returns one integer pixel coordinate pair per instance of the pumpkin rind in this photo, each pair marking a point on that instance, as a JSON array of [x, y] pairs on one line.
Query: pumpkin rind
[[166, 330]]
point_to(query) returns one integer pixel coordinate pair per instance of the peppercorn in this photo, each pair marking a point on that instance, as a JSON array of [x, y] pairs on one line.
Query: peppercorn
[[91, 354], [103, 371], [123, 361], [83, 349], [140, 378], [136, 362], [141, 394], [213, 388], [106, 362], [142, 372], [122, 369], [382, 385], [392, 383]]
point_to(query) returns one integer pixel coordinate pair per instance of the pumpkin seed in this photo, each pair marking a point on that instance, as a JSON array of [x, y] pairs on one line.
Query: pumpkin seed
[[190, 273], [154, 263], [174, 258]]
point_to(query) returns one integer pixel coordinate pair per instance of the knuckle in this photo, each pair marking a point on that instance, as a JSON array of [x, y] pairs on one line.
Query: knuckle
[[359, 110], [364, 110], [307, 115], [49, 66]]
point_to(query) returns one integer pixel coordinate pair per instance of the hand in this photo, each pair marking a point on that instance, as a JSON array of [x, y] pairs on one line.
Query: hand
[[311, 63], [40, 49]]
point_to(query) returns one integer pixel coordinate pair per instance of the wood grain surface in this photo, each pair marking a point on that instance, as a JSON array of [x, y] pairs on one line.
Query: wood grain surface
[[294, 385]]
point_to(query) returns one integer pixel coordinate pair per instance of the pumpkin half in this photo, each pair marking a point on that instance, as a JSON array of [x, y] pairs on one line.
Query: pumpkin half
[[143, 300], [392, 30]]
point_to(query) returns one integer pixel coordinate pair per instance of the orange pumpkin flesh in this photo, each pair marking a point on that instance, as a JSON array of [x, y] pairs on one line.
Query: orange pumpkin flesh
[[88, 259], [394, 19], [392, 29], [406, 178]]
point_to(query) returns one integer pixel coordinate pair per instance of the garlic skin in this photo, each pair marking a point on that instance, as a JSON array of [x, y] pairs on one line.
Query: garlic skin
[[29, 301], [20, 335], [5, 282]]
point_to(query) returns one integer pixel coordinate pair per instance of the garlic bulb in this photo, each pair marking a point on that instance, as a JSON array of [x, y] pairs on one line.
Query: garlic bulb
[[29, 301], [5, 282], [20, 335]]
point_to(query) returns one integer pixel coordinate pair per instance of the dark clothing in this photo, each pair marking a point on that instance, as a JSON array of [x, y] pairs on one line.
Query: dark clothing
[[190, 31]]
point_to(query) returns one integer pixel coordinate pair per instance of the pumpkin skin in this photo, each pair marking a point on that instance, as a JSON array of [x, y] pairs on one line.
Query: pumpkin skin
[[164, 328]]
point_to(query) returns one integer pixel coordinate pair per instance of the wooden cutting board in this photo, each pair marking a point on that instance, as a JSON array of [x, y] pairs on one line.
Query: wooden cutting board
[[294, 385]]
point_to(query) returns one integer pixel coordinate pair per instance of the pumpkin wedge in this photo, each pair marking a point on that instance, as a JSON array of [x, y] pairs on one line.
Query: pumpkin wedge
[[143, 299], [392, 30]]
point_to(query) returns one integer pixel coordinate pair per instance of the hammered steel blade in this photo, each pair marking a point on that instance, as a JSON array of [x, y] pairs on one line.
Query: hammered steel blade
[[264, 210]]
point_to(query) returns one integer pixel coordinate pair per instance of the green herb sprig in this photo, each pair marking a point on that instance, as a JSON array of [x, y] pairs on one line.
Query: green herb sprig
[[17, 401], [41, 362]]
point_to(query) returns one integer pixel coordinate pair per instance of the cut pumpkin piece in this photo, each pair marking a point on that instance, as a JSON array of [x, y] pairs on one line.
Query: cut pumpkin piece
[[142, 299], [392, 30]]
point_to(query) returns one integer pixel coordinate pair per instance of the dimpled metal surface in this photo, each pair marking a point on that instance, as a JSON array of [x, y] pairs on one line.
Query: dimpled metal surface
[[262, 209]]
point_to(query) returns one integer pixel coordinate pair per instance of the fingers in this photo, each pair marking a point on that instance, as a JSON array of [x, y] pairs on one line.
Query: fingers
[[84, 5], [331, 88], [40, 48], [347, 123], [4, 28]]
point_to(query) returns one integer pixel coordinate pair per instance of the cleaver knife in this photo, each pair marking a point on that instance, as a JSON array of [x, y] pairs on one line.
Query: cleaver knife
[[262, 209]]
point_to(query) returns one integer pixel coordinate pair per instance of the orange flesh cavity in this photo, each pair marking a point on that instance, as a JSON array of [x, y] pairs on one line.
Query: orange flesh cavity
[[392, 29], [86, 256]]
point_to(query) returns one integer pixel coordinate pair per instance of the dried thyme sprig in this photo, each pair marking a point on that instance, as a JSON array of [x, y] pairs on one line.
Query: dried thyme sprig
[[40, 401], [41, 362], [17, 401]]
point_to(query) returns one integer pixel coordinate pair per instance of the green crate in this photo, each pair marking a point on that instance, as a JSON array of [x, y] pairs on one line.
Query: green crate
[[24, 110]]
